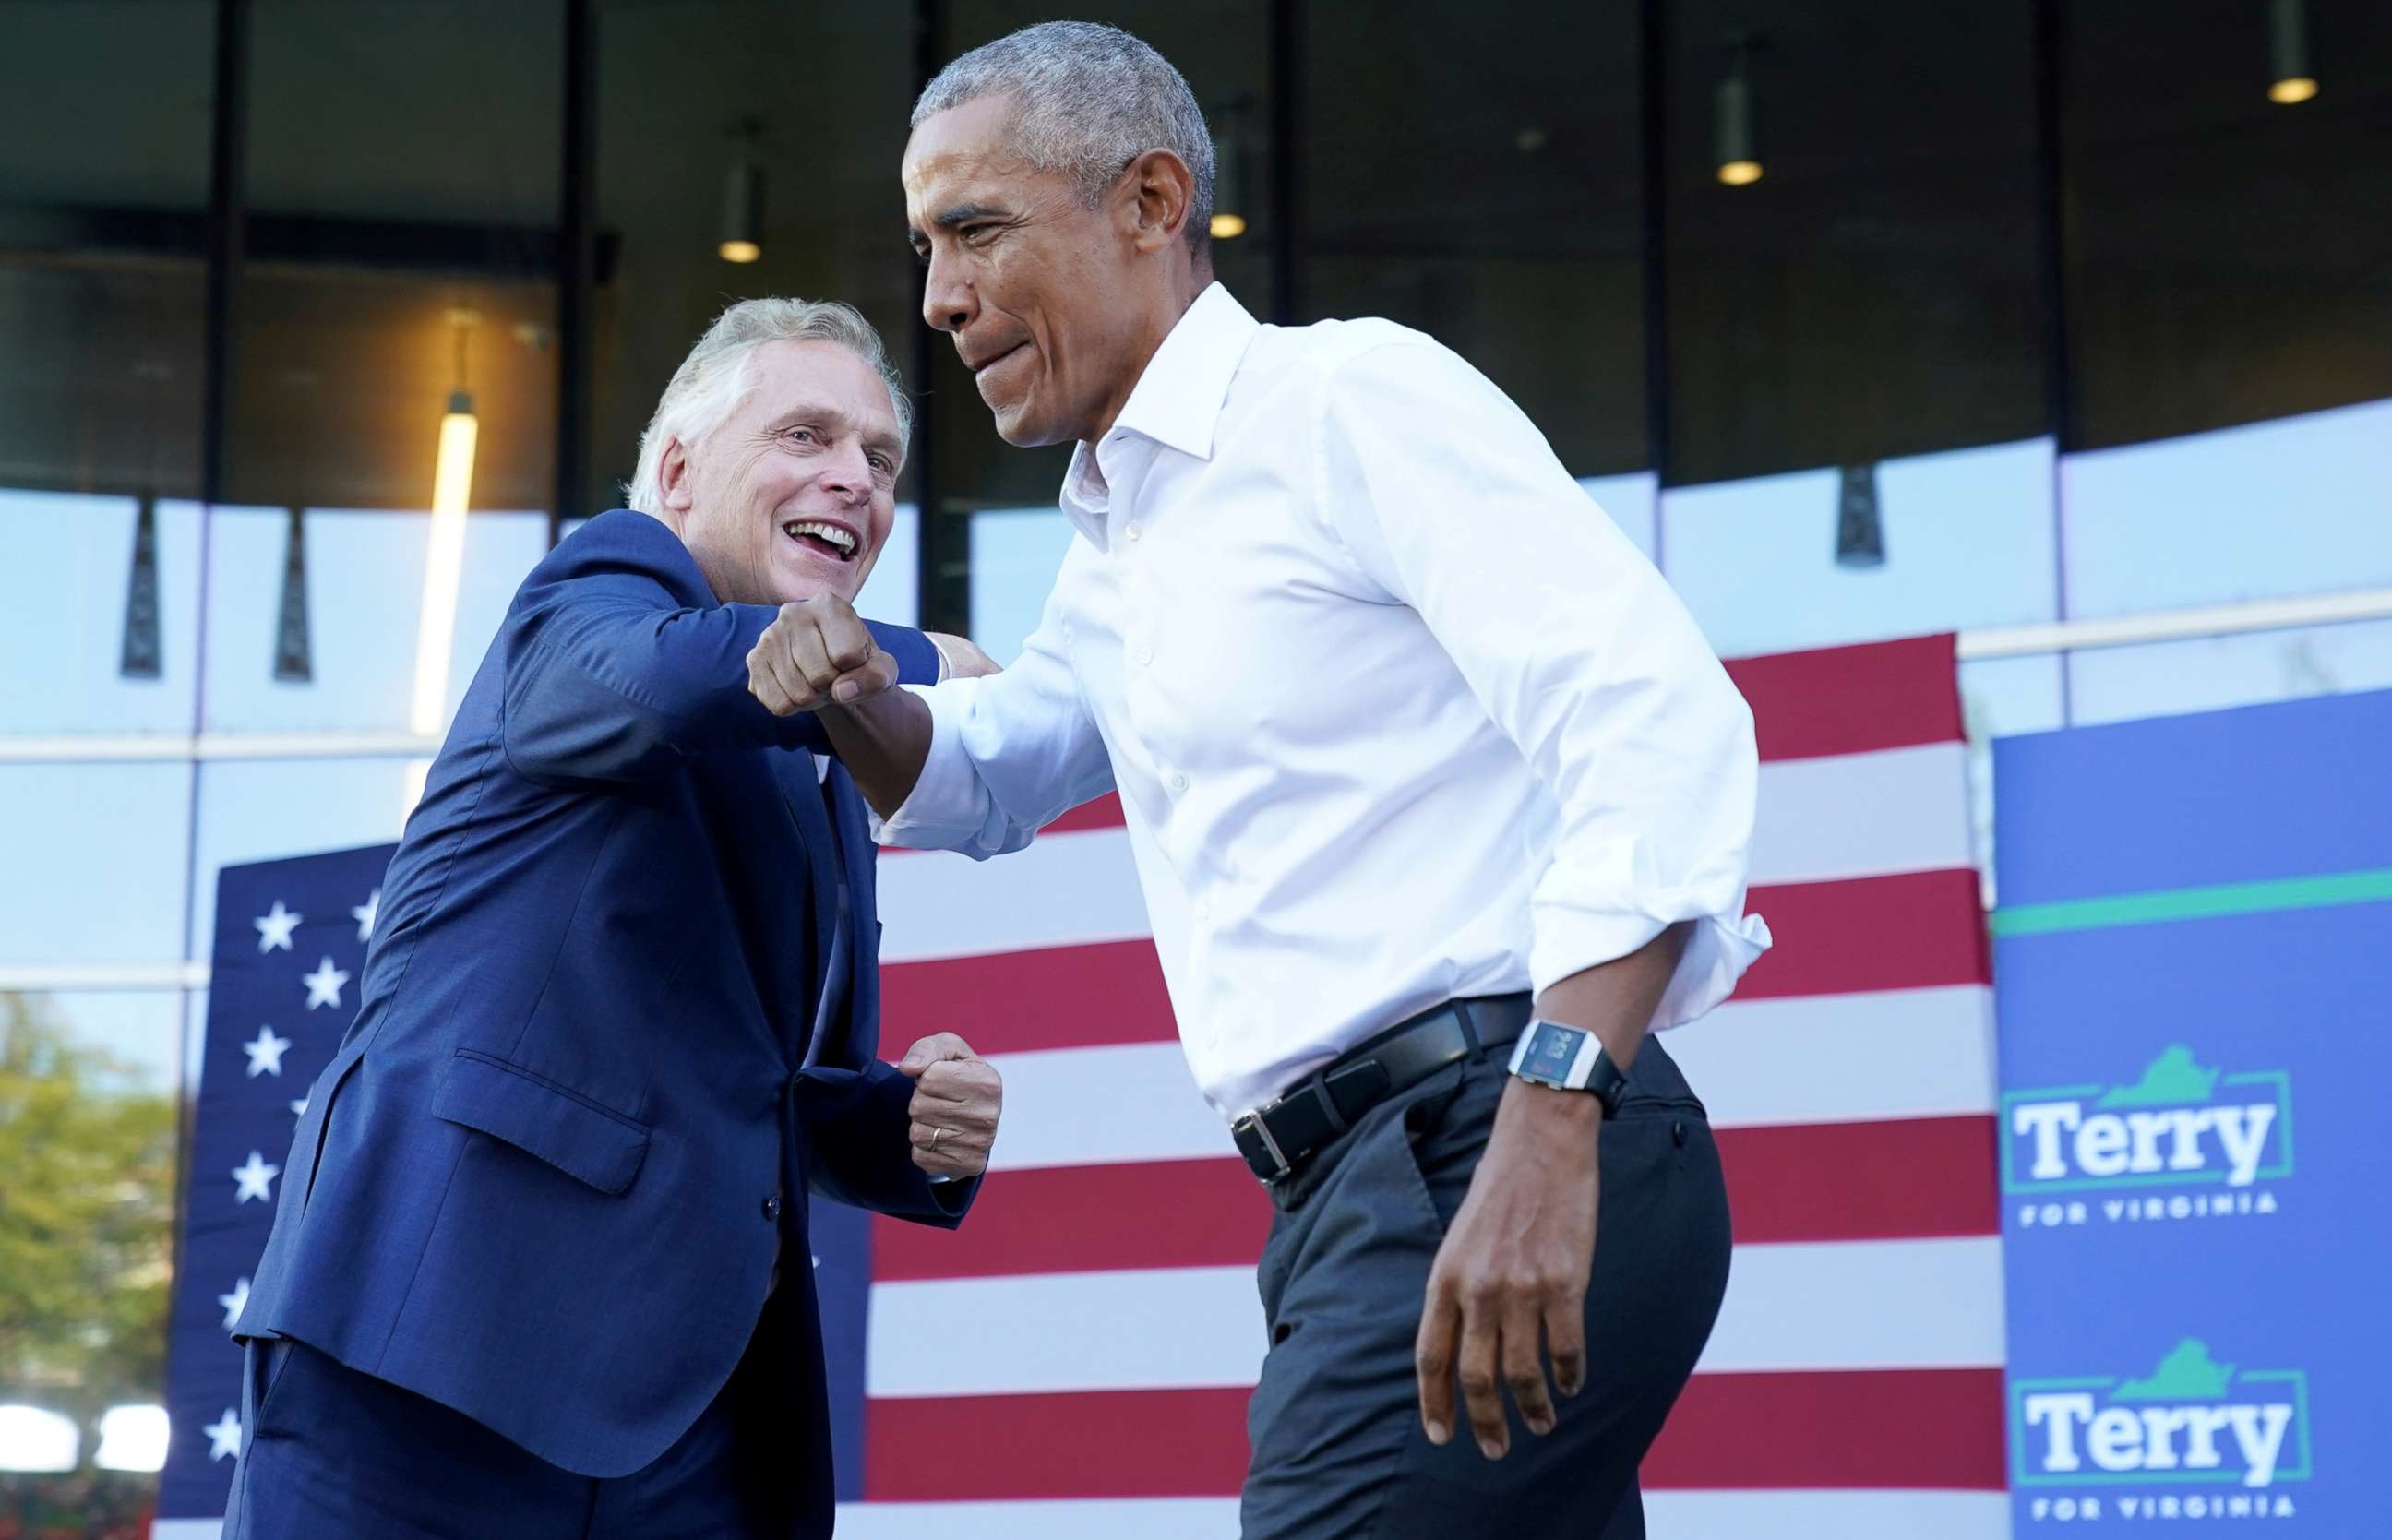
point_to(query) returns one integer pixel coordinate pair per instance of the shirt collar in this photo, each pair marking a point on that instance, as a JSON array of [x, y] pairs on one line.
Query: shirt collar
[[1176, 401]]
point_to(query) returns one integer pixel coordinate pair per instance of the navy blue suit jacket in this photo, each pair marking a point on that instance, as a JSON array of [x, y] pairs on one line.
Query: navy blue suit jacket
[[545, 1177]]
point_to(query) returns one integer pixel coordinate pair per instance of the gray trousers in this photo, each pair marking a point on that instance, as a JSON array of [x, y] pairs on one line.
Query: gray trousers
[[1334, 1424]]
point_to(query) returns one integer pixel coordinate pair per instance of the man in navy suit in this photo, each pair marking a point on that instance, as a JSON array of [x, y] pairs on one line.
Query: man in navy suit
[[540, 1266]]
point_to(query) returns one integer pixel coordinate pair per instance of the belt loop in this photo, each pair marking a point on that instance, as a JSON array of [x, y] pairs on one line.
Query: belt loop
[[1469, 1028], [1319, 1086]]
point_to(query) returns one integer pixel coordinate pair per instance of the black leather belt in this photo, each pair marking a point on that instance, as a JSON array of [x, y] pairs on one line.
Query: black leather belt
[[1276, 1138]]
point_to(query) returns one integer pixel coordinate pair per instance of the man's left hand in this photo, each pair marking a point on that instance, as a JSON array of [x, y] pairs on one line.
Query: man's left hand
[[1513, 1271], [958, 1097]]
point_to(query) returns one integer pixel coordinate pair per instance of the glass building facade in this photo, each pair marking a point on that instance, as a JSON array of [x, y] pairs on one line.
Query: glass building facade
[[2038, 311]]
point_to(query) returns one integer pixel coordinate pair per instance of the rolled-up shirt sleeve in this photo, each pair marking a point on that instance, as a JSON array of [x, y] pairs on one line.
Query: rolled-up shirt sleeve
[[1009, 754], [1448, 498]]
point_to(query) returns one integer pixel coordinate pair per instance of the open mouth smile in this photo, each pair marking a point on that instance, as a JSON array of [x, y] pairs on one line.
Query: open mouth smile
[[837, 541]]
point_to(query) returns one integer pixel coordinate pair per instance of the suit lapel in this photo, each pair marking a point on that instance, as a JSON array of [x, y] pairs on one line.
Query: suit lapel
[[793, 770], [859, 856]]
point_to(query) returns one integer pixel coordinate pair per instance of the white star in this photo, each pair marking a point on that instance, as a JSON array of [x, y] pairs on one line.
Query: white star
[[299, 1107], [234, 1302], [364, 914], [266, 1053], [256, 1178], [274, 928], [223, 1436], [324, 985]]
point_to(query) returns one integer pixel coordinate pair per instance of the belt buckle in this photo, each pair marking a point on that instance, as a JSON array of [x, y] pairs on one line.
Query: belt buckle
[[1253, 1122]]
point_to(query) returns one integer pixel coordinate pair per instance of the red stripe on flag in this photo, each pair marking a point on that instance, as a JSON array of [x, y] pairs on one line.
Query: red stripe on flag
[[1938, 1429], [1879, 1181], [1017, 1002], [1852, 700], [1909, 930], [1079, 1443], [1913, 930], [1895, 1428], [1104, 812], [1912, 1177], [1089, 1219]]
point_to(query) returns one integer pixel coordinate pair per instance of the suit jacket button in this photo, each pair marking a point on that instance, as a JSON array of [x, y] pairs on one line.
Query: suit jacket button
[[772, 1207]]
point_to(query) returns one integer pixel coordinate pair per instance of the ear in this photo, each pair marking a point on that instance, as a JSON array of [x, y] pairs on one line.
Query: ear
[[673, 478], [1158, 190]]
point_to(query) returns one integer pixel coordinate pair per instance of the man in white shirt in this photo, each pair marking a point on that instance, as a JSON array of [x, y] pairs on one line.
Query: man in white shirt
[[1427, 774]]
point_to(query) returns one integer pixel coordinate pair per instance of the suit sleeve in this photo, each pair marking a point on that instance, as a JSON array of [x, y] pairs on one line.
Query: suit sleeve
[[855, 1123], [609, 679]]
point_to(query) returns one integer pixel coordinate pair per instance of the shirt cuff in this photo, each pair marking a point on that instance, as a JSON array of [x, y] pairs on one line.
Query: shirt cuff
[[949, 808], [1719, 947]]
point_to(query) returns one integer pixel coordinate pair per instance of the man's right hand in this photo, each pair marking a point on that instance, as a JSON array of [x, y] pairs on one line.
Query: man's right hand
[[817, 654]]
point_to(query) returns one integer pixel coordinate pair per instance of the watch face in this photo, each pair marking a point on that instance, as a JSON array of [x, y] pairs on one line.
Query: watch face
[[1551, 1052]]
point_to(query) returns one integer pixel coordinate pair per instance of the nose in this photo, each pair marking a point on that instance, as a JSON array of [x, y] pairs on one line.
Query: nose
[[847, 471], [948, 301]]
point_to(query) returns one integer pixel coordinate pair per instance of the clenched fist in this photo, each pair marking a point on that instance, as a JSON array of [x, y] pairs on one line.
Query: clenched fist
[[817, 654], [958, 1096]]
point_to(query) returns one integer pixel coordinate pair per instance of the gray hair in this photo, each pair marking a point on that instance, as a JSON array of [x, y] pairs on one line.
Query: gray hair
[[712, 381], [1088, 99]]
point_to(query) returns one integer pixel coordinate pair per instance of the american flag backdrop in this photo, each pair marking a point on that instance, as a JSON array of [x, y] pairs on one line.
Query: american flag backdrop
[[1075, 1362], [286, 963]]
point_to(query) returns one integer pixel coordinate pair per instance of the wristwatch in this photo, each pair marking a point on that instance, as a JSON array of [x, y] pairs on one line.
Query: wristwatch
[[1569, 1059]]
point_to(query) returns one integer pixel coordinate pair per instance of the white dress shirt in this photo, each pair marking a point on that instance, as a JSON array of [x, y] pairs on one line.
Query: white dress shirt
[[1396, 712]]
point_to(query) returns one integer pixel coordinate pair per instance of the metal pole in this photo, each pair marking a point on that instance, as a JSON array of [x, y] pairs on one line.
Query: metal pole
[[942, 579], [1287, 162], [1653, 60], [575, 260]]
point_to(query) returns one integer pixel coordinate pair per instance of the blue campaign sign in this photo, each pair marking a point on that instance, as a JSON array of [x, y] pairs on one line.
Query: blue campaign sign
[[2193, 962]]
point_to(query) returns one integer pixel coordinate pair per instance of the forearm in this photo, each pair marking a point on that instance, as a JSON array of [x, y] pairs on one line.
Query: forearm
[[884, 742], [1616, 1000]]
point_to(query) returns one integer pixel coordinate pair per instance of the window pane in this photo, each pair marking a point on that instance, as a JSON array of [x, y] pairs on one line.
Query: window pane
[[93, 857], [1480, 183], [103, 190], [814, 98], [265, 808], [2227, 254], [1875, 292], [1966, 540], [64, 639], [364, 575], [2264, 511], [403, 181], [2211, 673], [1015, 555], [87, 1226]]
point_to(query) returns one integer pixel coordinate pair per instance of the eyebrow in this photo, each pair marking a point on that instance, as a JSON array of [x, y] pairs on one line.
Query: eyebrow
[[950, 217]]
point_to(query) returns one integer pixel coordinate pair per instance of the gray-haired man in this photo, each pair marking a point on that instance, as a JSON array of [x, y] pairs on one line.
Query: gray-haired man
[[1426, 773]]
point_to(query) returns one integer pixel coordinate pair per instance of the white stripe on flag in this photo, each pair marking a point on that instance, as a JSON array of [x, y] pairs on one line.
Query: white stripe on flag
[[1861, 1304], [1816, 1059], [1851, 1058], [1176, 1327], [187, 1528], [1845, 1305], [1103, 1106], [1065, 889], [1856, 815], [1827, 1515], [1863, 815], [1113, 1518], [1813, 1515]]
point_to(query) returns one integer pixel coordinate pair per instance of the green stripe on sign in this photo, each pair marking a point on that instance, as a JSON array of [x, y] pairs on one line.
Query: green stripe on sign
[[2195, 903]]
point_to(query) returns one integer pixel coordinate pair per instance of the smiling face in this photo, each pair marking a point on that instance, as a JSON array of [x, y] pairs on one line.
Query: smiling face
[[793, 495], [1054, 306]]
